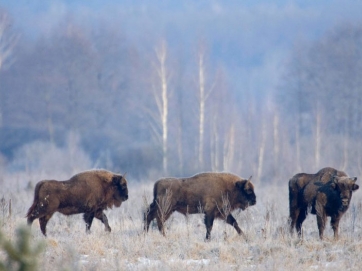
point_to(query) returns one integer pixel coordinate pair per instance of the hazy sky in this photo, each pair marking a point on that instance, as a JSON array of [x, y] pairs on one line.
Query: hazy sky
[[252, 35], [40, 15]]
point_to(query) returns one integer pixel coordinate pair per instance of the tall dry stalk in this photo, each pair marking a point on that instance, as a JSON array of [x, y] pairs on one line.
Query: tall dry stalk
[[5, 209], [164, 208], [146, 210], [224, 210]]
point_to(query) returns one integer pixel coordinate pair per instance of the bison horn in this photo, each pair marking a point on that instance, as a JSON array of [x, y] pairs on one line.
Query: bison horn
[[354, 179], [250, 178], [124, 175]]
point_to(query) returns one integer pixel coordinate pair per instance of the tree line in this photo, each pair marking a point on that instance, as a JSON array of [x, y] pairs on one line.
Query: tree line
[[157, 107]]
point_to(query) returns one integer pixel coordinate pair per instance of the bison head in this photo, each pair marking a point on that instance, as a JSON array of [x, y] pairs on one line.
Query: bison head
[[121, 190], [246, 195], [344, 187]]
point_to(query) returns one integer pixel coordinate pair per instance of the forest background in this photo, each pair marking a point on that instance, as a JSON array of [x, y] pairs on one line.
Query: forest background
[[180, 87]]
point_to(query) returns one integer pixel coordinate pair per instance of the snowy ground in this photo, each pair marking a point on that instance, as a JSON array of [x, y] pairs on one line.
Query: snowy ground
[[265, 246]]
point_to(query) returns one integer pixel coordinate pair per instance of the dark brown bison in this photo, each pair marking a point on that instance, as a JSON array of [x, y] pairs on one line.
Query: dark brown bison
[[213, 194], [326, 193], [88, 192]]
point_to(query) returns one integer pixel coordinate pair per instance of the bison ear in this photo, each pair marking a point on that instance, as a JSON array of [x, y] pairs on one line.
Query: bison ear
[[116, 179], [240, 184], [355, 187]]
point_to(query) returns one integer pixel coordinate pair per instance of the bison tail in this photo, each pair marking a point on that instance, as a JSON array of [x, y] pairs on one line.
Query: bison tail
[[31, 209], [36, 197]]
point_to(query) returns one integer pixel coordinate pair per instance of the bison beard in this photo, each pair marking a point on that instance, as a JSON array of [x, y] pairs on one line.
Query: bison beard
[[326, 193], [215, 195], [90, 192]]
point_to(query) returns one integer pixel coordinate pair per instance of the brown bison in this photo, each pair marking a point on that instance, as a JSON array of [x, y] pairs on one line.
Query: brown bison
[[213, 194], [88, 192], [326, 193]]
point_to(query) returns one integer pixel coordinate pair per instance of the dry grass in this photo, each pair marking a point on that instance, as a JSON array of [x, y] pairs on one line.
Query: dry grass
[[266, 246]]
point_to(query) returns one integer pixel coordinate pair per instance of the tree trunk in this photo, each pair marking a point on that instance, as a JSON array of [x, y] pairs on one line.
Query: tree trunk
[[162, 103], [201, 108]]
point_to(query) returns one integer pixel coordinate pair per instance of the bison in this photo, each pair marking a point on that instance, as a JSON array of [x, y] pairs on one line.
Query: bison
[[213, 194], [90, 192], [326, 193]]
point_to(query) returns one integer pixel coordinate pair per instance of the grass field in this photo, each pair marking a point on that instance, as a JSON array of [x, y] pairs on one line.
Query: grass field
[[266, 245]]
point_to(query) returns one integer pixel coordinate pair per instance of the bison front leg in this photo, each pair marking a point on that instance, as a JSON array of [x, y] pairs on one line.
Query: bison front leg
[[321, 221], [88, 219], [232, 221], [102, 217], [209, 221], [335, 224]]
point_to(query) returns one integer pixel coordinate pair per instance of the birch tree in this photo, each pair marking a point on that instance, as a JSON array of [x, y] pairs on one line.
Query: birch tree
[[202, 101], [204, 93], [161, 97], [323, 93], [8, 41]]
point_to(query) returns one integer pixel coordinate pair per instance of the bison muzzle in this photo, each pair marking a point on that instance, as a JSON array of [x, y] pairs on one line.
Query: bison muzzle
[[90, 192], [326, 193], [215, 195]]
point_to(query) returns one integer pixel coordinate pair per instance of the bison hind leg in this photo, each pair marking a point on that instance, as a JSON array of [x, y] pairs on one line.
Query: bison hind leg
[[301, 217], [294, 214], [30, 219], [149, 215], [88, 219], [43, 223], [161, 220]]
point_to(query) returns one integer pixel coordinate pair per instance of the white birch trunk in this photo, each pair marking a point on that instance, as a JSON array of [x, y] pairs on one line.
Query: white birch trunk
[[202, 108], [297, 149], [229, 149], [345, 149], [164, 101], [7, 44], [261, 152], [276, 143], [318, 140], [215, 163]]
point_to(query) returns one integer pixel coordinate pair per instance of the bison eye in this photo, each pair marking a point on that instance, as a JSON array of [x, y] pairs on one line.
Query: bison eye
[[249, 191]]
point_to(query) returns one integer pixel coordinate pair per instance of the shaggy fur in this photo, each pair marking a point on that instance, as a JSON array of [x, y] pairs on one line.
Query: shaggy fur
[[324, 193], [213, 194], [88, 192]]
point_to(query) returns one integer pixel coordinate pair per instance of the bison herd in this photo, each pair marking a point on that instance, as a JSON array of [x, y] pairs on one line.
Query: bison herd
[[216, 195]]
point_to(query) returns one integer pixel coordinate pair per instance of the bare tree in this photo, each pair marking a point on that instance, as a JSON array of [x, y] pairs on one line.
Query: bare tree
[[161, 94], [204, 93], [8, 41], [202, 102], [323, 96]]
